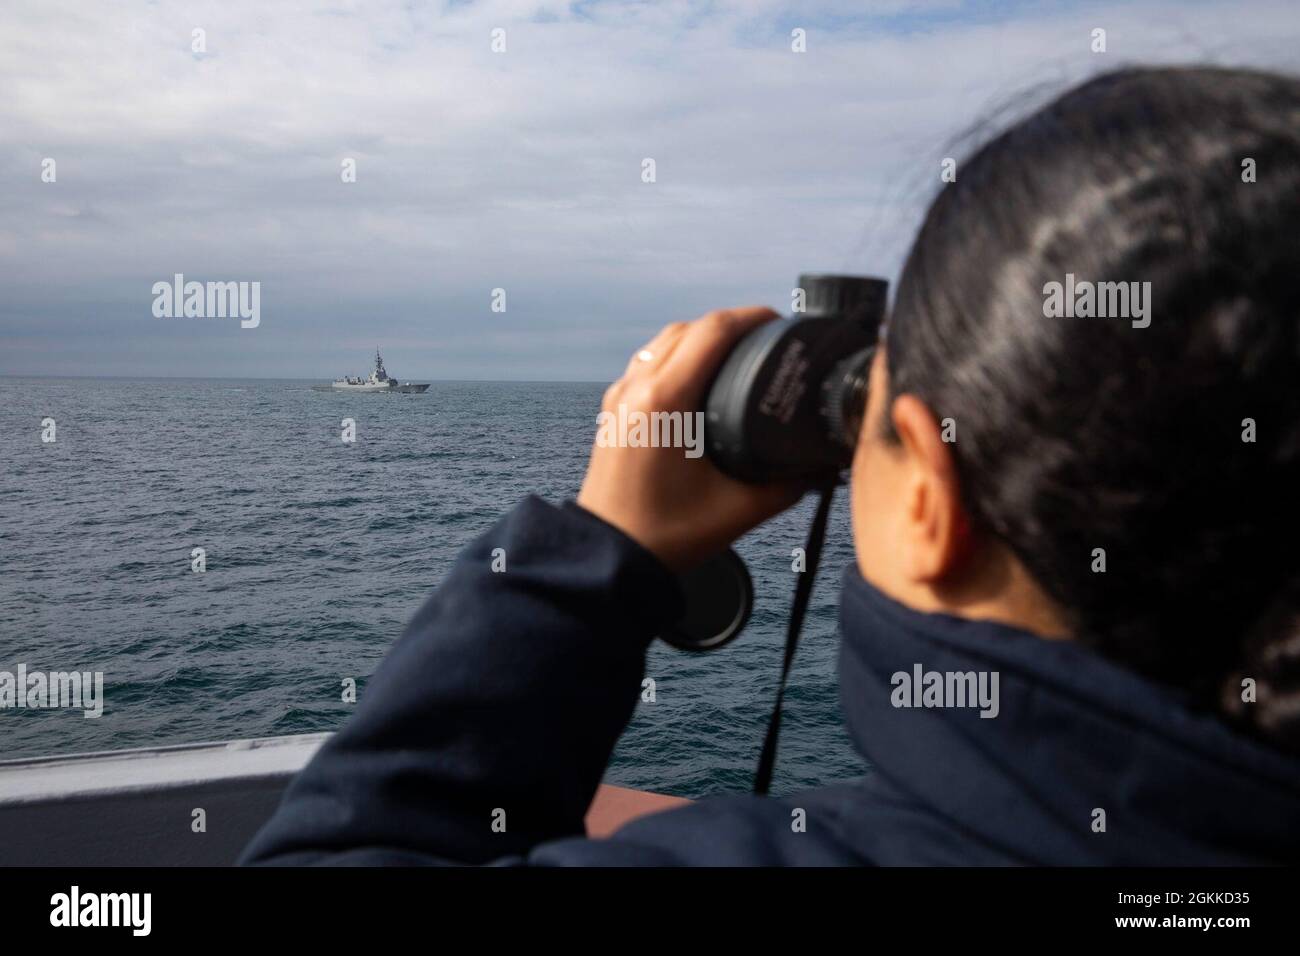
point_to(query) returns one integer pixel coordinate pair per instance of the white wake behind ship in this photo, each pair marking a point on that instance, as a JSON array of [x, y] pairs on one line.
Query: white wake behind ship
[[379, 381]]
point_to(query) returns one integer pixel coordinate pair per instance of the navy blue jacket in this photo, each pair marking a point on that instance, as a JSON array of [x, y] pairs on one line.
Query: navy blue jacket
[[509, 690]]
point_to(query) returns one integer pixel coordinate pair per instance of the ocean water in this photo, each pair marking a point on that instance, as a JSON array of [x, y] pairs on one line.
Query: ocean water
[[317, 554]]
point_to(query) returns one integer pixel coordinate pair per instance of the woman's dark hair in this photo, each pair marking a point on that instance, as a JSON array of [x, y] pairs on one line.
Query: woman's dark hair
[[1173, 446]]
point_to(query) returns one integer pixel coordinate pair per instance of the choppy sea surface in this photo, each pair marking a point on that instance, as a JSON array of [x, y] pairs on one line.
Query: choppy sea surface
[[317, 553]]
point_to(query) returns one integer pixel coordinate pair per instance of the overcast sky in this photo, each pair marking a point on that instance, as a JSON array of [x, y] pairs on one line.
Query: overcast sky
[[477, 170]]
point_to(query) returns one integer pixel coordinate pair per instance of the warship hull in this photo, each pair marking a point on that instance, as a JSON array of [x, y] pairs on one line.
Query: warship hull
[[411, 388]]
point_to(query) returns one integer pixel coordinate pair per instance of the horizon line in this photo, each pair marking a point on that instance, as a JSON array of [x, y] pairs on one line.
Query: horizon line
[[262, 378]]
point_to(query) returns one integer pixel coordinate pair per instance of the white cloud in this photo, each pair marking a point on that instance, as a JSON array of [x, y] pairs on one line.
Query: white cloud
[[519, 170]]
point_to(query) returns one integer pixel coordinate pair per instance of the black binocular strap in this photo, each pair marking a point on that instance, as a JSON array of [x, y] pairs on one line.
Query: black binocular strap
[[802, 593]]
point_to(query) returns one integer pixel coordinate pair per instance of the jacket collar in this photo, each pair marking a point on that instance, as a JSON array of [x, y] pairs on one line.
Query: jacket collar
[[1073, 734]]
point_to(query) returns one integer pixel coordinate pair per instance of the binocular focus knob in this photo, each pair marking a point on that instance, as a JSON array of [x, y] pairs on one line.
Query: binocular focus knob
[[842, 295]]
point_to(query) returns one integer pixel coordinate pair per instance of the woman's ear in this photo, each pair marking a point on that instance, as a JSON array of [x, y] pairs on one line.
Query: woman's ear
[[936, 529]]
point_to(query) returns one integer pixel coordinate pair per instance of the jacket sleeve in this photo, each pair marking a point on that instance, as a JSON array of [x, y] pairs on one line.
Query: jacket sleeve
[[487, 728]]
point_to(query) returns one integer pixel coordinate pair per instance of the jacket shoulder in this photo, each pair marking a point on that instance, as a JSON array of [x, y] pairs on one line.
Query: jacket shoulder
[[735, 830]]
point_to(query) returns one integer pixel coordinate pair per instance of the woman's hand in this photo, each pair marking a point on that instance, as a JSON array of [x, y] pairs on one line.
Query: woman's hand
[[681, 508]]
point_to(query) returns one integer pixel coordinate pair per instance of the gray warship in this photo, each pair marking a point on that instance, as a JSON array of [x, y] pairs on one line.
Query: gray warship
[[378, 381]]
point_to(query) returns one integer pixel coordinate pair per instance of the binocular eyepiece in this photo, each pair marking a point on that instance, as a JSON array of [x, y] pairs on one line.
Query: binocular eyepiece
[[788, 401]]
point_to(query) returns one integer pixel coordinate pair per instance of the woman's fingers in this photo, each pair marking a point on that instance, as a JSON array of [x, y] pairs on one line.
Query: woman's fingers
[[704, 346], [673, 502], [657, 350]]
